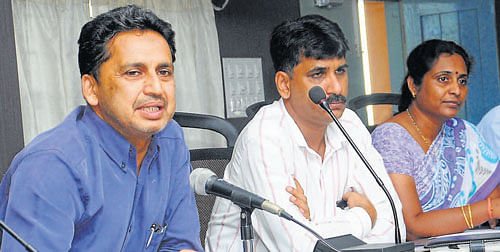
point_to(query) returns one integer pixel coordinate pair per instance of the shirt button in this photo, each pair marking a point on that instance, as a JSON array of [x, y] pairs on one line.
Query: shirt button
[[130, 149], [122, 165], [129, 229]]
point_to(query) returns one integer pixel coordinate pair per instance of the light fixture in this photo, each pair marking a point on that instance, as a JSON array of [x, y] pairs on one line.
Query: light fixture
[[365, 59]]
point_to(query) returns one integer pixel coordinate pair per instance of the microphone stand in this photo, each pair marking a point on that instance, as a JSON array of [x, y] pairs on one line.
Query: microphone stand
[[397, 232], [246, 229], [19, 239]]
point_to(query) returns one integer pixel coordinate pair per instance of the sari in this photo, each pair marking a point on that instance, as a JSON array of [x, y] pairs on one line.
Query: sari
[[458, 169]]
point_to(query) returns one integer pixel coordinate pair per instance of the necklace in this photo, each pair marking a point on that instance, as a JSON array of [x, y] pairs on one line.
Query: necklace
[[417, 128]]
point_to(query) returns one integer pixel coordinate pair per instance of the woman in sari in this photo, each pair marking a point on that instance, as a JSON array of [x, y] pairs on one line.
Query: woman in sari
[[444, 173]]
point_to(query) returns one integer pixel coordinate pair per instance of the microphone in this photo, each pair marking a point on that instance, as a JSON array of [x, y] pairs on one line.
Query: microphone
[[203, 181], [317, 95]]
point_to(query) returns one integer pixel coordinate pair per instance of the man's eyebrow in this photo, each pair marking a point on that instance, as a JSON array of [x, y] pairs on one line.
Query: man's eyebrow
[[138, 64], [317, 69], [135, 64], [165, 65], [343, 66]]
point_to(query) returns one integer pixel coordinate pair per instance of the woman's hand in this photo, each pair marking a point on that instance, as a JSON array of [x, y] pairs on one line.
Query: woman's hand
[[299, 199]]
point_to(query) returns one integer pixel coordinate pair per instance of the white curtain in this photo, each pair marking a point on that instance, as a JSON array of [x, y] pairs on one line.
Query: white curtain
[[46, 33]]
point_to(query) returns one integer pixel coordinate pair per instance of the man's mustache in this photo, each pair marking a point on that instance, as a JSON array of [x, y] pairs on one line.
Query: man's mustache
[[336, 98]]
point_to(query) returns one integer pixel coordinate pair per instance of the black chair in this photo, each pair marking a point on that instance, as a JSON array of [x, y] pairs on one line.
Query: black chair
[[362, 101], [252, 109], [215, 159], [209, 122]]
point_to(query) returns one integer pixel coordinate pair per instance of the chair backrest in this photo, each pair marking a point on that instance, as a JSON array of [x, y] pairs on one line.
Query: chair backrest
[[252, 109], [209, 122], [362, 101], [215, 159]]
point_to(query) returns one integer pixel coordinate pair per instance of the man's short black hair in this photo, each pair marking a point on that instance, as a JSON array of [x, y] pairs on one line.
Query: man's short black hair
[[311, 36], [96, 34]]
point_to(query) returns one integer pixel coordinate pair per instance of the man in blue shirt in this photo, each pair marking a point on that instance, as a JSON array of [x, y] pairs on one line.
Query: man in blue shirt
[[113, 176]]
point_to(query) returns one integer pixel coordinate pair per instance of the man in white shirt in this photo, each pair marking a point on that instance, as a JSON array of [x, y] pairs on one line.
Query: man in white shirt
[[294, 139]]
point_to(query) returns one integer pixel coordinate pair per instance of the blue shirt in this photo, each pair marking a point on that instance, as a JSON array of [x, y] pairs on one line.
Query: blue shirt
[[75, 188], [489, 127]]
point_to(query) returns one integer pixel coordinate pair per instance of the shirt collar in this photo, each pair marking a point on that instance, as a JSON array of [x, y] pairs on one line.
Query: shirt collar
[[333, 137], [112, 142]]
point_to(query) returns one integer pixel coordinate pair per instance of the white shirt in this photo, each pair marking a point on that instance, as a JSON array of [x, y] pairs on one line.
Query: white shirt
[[269, 153], [489, 128]]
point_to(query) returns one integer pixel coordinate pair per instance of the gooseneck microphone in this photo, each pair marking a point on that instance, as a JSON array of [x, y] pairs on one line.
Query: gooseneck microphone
[[317, 95], [203, 181]]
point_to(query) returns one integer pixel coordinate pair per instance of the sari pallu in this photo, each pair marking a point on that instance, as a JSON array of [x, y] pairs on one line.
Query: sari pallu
[[461, 168]]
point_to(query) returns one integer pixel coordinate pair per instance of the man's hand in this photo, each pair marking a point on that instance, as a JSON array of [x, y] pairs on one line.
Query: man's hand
[[299, 199], [355, 199]]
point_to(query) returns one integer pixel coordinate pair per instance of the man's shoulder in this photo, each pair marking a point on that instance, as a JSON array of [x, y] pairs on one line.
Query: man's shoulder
[[269, 122], [491, 117], [353, 125], [62, 147], [350, 117], [65, 138], [494, 112]]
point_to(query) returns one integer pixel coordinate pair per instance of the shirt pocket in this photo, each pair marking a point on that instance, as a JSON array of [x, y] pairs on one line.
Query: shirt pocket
[[154, 236]]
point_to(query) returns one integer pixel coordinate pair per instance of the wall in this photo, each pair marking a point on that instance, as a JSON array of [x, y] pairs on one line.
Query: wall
[[11, 128], [244, 29]]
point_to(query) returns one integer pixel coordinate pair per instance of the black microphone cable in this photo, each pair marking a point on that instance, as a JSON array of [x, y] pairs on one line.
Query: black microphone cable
[[321, 239], [17, 237]]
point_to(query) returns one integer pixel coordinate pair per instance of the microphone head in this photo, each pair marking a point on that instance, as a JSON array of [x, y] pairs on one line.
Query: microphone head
[[316, 94], [198, 179]]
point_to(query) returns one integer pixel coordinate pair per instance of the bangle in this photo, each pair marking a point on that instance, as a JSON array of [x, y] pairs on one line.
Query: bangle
[[470, 216], [465, 217], [490, 209]]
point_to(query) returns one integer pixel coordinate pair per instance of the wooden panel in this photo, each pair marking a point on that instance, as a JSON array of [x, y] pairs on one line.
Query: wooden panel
[[11, 129], [378, 56]]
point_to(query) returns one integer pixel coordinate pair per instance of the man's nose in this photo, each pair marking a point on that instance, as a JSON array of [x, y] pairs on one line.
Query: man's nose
[[152, 85], [333, 85]]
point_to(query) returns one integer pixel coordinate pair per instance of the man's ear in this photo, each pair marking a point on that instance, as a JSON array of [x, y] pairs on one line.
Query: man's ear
[[282, 81], [89, 89]]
